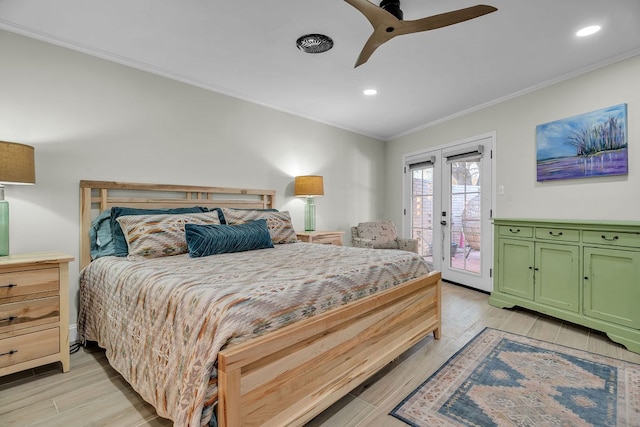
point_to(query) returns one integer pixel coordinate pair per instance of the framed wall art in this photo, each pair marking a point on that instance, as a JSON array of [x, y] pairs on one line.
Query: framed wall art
[[589, 145]]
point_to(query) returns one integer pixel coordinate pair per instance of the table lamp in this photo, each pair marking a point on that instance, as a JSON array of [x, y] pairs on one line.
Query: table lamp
[[309, 186], [17, 166]]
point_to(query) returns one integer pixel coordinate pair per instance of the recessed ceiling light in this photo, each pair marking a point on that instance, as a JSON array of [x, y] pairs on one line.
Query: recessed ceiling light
[[587, 31], [370, 92]]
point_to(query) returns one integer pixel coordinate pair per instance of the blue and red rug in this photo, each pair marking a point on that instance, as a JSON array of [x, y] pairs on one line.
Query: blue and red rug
[[503, 379]]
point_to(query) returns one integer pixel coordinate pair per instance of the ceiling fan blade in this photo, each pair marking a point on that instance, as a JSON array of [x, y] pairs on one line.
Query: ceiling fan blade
[[377, 39], [386, 26], [380, 20], [444, 19], [376, 15]]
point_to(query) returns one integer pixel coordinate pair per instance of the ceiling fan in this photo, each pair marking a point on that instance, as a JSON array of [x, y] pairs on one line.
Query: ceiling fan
[[387, 22]]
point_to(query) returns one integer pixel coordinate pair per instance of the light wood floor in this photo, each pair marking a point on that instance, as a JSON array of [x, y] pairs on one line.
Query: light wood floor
[[93, 394]]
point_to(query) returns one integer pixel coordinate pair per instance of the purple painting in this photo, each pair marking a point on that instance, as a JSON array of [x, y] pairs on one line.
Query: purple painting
[[588, 145]]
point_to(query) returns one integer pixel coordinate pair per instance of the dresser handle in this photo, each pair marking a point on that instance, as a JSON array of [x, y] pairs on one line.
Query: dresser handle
[[9, 319], [555, 235], [610, 240], [13, 285], [517, 230], [9, 353]]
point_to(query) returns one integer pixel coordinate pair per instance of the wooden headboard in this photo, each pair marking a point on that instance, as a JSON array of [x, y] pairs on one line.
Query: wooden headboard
[[97, 196]]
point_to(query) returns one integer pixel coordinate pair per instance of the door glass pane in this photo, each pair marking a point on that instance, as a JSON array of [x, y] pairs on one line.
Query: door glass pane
[[465, 211], [422, 211]]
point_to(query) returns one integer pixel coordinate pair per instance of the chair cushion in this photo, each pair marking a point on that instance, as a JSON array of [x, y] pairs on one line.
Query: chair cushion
[[383, 234]]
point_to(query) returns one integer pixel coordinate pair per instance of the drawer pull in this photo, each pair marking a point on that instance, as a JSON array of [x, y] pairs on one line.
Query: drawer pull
[[13, 285], [555, 235], [9, 319], [613, 239], [517, 230], [9, 353]]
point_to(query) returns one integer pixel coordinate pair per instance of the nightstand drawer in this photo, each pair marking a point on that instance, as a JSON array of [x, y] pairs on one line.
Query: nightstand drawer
[[28, 282], [25, 314], [27, 347], [329, 239], [322, 237], [34, 311]]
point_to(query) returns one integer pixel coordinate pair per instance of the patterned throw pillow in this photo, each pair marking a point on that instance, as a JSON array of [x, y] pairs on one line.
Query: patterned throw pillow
[[205, 240], [119, 240], [224, 221], [383, 234], [158, 235], [279, 223]]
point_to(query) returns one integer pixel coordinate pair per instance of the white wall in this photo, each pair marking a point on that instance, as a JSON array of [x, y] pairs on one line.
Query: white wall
[[514, 121], [91, 119]]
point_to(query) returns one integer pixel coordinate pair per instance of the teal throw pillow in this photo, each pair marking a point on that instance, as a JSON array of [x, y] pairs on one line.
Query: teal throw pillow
[[212, 239], [101, 236]]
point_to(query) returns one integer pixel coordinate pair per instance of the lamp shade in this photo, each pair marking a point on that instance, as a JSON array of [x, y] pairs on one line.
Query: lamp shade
[[17, 165], [308, 185]]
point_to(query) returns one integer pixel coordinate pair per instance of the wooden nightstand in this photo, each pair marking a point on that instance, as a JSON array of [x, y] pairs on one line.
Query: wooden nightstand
[[324, 237], [34, 311]]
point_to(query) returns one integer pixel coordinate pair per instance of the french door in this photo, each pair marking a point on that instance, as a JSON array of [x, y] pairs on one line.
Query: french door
[[449, 204]]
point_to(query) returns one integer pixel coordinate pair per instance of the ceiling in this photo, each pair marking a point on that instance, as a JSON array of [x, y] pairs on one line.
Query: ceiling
[[246, 49]]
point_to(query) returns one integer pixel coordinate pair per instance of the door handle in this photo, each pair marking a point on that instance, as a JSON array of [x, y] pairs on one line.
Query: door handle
[[443, 222]]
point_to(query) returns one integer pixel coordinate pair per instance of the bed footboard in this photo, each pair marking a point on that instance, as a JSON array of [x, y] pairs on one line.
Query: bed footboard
[[289, 376]]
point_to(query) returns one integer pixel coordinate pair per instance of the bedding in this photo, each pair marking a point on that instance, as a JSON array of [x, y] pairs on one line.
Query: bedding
[[163, 320], [105, 233]]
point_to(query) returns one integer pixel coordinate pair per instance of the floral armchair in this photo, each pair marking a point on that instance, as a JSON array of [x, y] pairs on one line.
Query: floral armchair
[[380, 235]]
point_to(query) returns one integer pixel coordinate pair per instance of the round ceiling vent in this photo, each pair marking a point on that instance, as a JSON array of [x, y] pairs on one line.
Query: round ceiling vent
[[314, 43]]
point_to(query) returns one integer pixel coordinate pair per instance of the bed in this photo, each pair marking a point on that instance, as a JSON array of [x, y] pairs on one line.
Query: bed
[[356, 311]]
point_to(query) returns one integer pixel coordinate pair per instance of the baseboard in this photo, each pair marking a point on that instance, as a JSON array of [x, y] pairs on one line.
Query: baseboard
[[73, 333]]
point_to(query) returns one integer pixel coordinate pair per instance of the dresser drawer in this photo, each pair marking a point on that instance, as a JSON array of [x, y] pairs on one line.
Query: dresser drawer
[[28, 282], [558, 234], [27, 347], [515, 231], [25, 314], [612, 238]]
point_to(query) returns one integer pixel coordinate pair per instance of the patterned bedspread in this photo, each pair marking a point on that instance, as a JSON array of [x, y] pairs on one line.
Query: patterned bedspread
[[162, 321]]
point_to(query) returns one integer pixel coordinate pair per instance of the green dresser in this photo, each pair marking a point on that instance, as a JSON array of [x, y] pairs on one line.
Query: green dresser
[[585, 272]]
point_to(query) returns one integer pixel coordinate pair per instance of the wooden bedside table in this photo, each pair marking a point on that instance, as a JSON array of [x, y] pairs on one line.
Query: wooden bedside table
[[34, 311], [324, 237]]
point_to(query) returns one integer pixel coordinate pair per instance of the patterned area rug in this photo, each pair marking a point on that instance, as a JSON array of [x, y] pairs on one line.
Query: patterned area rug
[[502, 379]]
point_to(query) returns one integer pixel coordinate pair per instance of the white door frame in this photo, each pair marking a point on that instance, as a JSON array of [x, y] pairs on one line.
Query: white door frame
[[487, 246]]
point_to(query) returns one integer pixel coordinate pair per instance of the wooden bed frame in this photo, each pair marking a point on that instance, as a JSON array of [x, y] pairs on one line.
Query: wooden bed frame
[[288, 376]]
